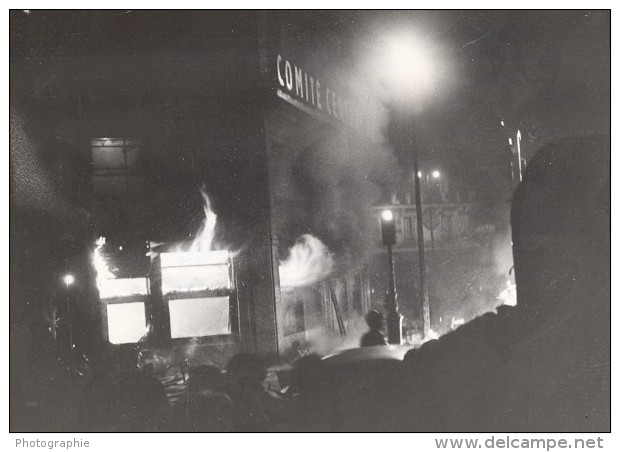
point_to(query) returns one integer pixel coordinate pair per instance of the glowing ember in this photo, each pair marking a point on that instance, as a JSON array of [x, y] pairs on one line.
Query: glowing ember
[[309, 261]]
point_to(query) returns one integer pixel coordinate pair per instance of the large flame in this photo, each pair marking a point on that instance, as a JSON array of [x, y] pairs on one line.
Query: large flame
[[308, 262], [205, 236], [199, 264]]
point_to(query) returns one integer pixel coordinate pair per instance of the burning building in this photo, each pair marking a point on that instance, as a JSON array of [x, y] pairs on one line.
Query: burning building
[[268, 120], [275, 115]]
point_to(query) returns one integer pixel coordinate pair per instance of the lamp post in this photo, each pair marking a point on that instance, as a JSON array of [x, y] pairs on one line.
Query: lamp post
[[394, 319], [423, 292], [435, 175], [519, 153], [69, 279], [411, 72]]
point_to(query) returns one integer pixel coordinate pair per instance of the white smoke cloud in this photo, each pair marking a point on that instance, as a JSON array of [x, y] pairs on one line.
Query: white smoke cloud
[[309, 261]]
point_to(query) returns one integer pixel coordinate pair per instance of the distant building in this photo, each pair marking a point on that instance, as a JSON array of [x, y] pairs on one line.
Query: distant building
[[467, 250]]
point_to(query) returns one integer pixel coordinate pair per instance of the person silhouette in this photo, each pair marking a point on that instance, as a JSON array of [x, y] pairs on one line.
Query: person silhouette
[[375, 335]]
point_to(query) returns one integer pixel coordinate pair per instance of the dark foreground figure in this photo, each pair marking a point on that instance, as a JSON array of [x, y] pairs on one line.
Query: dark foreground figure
[[544, 365], [375, 335]]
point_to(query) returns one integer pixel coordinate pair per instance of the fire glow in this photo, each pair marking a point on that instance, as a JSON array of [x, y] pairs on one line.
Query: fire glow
[[108, 284], [195, 271], [205, 237], [309, 261], [198, 265], [508, 296]]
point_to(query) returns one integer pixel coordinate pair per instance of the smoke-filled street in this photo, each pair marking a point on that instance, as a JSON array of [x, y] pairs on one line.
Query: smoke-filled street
[[310, 221]]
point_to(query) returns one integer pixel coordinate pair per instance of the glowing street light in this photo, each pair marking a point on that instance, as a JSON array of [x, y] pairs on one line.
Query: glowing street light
[[387, 215], [409, 65], [436, 174], [394, 319], [410, 69], [69, 279]]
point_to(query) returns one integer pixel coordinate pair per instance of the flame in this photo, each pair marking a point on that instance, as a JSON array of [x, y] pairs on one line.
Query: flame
[[101, 267], [187, 271], [108, 284], [205, 236], [309, 261], [200, 264]]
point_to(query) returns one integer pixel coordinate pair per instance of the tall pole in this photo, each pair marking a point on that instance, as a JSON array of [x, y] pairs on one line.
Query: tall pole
[[69, 320], [423, 293], [391, 284], [519, 153], [394, 319], [430, 212]]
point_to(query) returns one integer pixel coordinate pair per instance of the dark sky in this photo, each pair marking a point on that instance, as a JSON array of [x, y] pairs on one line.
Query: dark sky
[[544, 72], [496, 64]]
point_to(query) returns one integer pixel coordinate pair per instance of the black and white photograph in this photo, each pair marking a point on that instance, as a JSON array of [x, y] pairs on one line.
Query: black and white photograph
[[310, 221]]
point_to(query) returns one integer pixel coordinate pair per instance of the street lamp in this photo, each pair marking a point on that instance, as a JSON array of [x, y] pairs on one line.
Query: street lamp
[[387, 215], [69, 279], [412, 74], [394, 319]]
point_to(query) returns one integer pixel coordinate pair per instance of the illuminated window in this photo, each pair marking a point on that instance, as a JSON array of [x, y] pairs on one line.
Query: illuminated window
[[126, 322], [191, 272], [195, 317]]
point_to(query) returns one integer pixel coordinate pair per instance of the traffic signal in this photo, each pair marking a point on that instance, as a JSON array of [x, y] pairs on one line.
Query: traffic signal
[[388, 230]]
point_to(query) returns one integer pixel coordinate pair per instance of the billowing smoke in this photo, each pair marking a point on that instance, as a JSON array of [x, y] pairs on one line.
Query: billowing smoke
[[308, 262], [323, 341]]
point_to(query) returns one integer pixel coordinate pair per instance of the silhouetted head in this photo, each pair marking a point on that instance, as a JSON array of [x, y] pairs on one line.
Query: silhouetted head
[[374, 319]]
